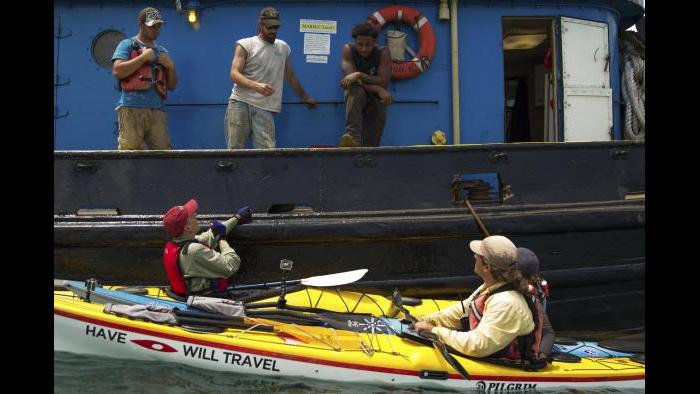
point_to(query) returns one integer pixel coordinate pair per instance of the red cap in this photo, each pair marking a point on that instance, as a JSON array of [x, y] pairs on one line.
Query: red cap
[[174, 220]]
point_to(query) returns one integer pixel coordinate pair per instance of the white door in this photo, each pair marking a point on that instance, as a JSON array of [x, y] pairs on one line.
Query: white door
[[587, 97]]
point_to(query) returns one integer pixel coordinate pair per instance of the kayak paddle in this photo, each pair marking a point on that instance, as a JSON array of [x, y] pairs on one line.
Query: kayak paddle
[[341, 278]]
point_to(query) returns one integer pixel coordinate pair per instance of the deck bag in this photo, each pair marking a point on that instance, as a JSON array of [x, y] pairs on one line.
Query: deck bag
[[151, 313], [221, 306]]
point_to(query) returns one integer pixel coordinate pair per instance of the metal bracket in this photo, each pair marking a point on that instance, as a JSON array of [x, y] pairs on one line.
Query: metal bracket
[[620, 154], [365, 161], [59, 116], [57, 83], [85, 166], [59, 36], [476, 190], [226, 165], [496, 156]]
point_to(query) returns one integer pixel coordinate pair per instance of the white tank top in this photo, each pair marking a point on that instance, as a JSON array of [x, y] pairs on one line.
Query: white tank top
[[265, 64]]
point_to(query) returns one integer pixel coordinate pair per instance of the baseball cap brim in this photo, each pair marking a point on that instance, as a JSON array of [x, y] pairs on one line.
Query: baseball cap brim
[[153, 22], [475, 246], [191, 207]]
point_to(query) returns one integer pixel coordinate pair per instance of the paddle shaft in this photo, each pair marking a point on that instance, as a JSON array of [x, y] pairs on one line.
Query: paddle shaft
[[434, 339], [264, 285]]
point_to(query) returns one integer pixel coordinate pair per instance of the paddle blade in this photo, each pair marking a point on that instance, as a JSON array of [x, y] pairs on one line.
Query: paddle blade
[[341, 278]]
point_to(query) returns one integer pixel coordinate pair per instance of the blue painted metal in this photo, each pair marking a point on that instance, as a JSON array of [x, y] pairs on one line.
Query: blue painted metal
[[203, 58]]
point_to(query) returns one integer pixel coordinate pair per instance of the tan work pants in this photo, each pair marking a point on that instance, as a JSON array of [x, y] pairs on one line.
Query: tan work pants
[[139, 126]]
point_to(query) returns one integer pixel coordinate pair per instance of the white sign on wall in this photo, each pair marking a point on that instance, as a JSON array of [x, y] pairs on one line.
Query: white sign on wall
[[316, 59], [317, 44]]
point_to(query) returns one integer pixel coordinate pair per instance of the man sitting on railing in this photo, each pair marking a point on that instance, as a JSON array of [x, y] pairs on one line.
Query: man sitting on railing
[[367, 71]]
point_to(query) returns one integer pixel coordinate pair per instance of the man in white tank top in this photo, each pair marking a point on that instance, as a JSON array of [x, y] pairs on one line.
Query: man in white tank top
[[259, 66]]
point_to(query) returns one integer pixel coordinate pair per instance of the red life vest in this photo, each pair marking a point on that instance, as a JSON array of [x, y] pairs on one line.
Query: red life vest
[[142, 78], [522, 347], [171, 262]]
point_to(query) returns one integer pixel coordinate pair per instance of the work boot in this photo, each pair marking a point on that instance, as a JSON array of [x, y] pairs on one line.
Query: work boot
[[346, 141]]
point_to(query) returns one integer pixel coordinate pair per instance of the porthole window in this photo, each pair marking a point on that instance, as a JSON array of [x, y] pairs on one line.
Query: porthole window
[[103, 47]]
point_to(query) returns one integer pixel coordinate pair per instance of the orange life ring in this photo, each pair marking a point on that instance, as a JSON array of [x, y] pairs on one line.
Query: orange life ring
[[426, 36]]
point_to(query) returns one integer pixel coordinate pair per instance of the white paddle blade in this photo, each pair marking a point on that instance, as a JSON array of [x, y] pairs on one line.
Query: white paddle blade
[[341, 278]]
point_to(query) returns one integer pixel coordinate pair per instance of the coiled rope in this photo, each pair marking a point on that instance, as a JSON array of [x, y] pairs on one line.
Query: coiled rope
[[632, 53]]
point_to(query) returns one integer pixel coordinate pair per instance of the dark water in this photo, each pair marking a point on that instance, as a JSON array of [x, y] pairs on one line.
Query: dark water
[[92, 374]]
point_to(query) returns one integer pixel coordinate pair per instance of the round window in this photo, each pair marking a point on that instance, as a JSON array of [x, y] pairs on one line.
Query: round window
[[103, 47]]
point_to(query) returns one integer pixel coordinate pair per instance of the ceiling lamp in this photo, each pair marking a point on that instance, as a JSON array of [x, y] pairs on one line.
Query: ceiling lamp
[[523, 41]]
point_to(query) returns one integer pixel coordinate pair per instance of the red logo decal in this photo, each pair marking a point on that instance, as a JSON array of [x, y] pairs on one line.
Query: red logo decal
[[153, 345]]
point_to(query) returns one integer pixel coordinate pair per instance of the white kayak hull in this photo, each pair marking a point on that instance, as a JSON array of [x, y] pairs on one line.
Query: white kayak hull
[[83, 335]]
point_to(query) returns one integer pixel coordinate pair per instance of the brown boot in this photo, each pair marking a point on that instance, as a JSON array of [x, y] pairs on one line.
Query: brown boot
[[346, 141]]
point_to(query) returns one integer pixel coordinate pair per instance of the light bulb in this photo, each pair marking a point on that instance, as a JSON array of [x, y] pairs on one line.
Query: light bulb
[[192, 16]]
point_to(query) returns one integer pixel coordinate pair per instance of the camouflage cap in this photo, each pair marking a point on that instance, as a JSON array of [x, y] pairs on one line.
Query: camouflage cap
[[150, 16]]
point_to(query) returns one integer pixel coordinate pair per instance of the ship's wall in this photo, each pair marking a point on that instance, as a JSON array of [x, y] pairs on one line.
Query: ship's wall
[[341, 180], [203, 58]]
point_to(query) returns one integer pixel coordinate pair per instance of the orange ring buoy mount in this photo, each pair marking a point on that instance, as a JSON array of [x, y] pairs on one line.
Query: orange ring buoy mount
[[426, 35]]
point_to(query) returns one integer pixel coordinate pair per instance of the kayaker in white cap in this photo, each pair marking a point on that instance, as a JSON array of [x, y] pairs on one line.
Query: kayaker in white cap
[[489, 322]]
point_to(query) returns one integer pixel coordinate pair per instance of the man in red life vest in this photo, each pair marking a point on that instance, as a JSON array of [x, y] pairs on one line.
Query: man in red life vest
[[496, 317], [192, 264], [146, 73]]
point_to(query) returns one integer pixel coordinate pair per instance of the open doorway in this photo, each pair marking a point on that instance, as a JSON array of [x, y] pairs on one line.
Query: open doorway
[[530, 93]]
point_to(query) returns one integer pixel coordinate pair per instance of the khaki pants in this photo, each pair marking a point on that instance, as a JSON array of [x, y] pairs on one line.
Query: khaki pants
[[243, 121], [143, 125]]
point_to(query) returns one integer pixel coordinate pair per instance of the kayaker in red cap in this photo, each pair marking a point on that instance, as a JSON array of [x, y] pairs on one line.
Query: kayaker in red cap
[[489, 322], [192, 264]]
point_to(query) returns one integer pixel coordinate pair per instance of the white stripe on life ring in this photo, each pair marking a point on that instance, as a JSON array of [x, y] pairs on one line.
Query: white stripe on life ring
[[422, 21], [379, 18], [418, 63]]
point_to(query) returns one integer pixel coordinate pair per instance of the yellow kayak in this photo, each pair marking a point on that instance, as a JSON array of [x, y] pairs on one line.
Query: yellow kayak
[[371, 350]]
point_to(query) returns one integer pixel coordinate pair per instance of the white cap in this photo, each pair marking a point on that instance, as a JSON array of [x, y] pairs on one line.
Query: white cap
[[497, 250]]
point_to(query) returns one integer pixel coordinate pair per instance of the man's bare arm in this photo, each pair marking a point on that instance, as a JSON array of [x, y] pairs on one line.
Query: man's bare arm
[[346, 63], [296, 85]]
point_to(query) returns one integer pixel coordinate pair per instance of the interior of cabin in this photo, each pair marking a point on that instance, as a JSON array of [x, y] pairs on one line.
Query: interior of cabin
[[530, 99]]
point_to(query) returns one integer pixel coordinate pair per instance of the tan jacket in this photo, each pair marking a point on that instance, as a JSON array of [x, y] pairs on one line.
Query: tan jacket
[[506, 316], [202, 263]]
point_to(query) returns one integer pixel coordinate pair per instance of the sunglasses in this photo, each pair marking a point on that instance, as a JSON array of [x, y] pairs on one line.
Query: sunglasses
[[272, 27]]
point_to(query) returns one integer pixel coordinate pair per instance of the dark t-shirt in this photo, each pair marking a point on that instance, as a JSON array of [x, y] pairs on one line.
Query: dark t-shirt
[[370, 65]]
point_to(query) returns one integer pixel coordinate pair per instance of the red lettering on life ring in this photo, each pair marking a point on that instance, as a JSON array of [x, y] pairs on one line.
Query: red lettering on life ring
[[426, 38]]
